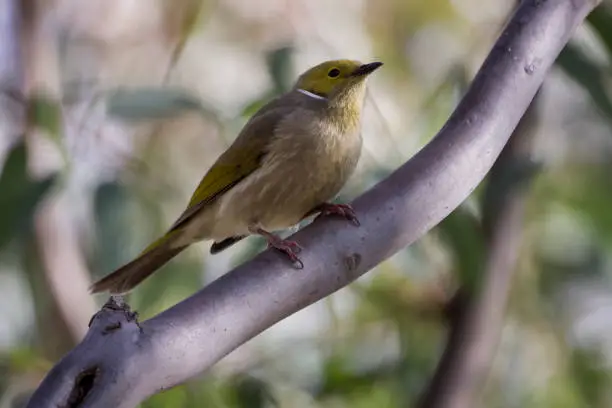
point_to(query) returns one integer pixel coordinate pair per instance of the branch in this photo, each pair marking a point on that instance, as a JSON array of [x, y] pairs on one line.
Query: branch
[[476, 326], [129, 364]]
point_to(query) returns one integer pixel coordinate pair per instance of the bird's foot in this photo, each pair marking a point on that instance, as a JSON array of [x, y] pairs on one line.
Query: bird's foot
[[288, 247], [343, 210]]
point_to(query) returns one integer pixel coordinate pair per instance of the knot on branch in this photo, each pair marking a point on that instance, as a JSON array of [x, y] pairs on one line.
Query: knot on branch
[[83, 384], [114, 311]]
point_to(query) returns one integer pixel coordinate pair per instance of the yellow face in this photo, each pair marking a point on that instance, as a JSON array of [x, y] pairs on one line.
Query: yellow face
[[332, 77]]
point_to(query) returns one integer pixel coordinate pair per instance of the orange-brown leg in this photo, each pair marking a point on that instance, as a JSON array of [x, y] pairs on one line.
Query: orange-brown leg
[[288, 247]]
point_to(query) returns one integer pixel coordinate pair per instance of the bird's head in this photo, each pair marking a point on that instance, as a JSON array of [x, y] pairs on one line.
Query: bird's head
[[341, 82]]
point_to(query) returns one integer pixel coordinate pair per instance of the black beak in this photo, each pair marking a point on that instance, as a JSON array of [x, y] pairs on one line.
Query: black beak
[[366, 69]]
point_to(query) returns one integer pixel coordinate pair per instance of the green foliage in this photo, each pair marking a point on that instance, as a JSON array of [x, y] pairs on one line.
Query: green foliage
[[174, 397], [340, 378], [240, 391], [592, 376], [20, 195], [115, 208], [600, 20], [279, 64], [590, 193], [151, 103], [46, 114], [593, 77], [112, 219], [251, 392], [505, 184], [280, 67], [462, 233], [175, 281], [588, 74]]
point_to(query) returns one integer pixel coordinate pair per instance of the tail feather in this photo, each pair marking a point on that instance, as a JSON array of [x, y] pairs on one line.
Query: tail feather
[[131, 274], [219, 246]]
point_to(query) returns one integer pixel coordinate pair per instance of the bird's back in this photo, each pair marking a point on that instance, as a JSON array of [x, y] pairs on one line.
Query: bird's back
[[307, 161]]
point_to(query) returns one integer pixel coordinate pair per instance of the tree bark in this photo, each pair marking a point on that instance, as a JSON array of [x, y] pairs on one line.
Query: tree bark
[[120, 363]]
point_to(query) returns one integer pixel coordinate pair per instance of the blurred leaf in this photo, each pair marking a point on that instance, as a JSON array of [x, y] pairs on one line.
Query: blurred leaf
[[554, 273], [24, 359], [371, 387], [173, 282], [560, 392], [280, 67], [503, 183], [589, 191], [174, 397], [339, 378], [192, 11], [584, 71], [279, 62], [462, 232], [181, 19], [513, 169], [204, 391], [601, 21], [193, 15], [582, 194], [421, 346], [456, 81], [591, 376], [396, 298], [20, 194], [45, 113], [441, 101], [112, 222], [251, 392], [151, 103], [252, 107]]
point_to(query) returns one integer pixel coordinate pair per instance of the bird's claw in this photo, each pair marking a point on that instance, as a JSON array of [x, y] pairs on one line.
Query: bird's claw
[[343, 210], [289, 248]]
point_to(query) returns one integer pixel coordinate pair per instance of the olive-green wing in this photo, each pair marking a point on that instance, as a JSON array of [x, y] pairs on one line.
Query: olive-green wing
[[219, 179], [241, 159]]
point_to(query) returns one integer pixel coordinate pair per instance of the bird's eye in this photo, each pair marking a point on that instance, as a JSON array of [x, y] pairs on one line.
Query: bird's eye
[[334, 72]]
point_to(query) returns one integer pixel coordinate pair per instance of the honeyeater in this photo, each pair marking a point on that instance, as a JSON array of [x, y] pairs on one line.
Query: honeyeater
[[289, 160]]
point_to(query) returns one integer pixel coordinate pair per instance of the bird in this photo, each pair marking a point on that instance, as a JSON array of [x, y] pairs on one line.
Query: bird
[[290, 159]]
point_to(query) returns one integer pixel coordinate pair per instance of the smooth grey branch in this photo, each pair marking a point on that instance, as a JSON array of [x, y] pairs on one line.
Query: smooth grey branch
[[129, 364]]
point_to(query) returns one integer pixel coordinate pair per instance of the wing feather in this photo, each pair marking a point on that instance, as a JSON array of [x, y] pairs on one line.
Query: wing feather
[[241, 159]]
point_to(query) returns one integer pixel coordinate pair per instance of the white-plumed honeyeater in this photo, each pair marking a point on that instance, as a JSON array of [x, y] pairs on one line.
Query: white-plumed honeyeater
[[289, 160]]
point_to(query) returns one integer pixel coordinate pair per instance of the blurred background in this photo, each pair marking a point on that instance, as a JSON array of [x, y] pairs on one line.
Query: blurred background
[[130, 101]]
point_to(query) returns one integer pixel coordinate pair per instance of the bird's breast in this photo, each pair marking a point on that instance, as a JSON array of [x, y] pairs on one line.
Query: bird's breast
[[304, 167], [315, 163]]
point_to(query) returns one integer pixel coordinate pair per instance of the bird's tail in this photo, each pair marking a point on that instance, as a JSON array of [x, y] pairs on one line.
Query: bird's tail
[[131, 274]]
